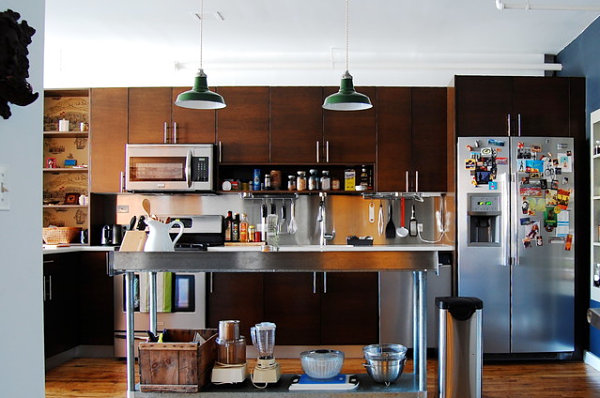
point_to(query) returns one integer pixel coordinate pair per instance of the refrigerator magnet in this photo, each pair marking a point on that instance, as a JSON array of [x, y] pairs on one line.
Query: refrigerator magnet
[[539, 241], [502, 161], [493, 185], [492, 141], [569, 242]]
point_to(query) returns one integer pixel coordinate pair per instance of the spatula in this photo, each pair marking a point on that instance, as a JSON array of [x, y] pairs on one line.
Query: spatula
[[390, 228]]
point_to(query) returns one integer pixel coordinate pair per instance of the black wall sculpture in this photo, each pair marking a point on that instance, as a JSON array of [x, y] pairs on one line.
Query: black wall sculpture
[[14, 65]]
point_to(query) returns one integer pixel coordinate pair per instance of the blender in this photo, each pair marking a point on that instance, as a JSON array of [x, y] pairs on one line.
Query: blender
[[267, 370], [230, 367]]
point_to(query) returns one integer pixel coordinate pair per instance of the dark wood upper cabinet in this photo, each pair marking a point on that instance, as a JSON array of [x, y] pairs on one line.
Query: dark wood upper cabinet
[[393, 138], [411, 137], [429, 129], [194, 126], [483, 105], [108, 138], [541, 106], [350, 137], [150, 115], [296, 124], [503, 106], [243, 126]]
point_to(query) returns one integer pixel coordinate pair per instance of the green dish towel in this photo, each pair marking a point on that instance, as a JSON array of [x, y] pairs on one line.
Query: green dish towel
[[164, 292]]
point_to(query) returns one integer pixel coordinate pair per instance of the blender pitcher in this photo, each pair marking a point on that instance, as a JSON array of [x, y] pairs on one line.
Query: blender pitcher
[[267, 370], [263, 338]]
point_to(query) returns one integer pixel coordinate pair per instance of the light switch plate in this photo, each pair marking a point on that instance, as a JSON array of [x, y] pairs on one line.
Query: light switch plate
[[4, 200]]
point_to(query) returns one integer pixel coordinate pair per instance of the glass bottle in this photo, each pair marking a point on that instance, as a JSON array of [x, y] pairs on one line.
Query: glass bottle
[[291, 182], [244, 228], [228, 221], [325, 181], [364, 179], [235, 228], [313, 180]]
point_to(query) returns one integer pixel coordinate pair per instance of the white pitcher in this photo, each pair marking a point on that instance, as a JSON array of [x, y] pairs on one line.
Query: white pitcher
[[159, 239]]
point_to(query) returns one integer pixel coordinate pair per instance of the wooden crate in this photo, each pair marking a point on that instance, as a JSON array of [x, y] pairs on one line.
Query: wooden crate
[[177, 365]]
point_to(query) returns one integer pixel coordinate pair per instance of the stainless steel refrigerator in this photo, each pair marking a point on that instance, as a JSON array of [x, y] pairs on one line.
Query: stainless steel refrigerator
[[516, 223]]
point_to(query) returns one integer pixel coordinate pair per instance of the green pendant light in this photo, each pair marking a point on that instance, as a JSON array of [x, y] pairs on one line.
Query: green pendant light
[[347, 99], [200, 97]]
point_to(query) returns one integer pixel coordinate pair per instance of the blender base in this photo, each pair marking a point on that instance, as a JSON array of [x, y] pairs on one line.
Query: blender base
[[228, 374], [266, 371]]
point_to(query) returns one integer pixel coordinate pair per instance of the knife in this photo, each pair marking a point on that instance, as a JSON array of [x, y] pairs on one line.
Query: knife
[[132, 223], [141, 225]]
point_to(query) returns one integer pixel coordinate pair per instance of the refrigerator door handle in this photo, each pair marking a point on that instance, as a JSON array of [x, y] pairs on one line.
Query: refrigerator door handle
[[505, 220], [514, 237]]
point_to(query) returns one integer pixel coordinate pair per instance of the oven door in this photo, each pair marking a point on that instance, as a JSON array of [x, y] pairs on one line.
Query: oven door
[[187, 312]]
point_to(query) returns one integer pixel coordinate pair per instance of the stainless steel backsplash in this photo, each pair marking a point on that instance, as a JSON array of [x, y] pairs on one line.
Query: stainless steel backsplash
[[346, 215]]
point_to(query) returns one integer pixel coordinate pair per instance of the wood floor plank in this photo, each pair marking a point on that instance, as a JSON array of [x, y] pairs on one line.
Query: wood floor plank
[[106, 378]]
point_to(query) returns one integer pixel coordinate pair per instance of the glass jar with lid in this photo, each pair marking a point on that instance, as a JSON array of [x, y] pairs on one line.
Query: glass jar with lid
[[291, 185], [301, 181], [313, 180], [325, 180]]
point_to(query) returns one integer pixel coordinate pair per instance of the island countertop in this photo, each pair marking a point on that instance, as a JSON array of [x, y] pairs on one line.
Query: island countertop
[[309, 258]]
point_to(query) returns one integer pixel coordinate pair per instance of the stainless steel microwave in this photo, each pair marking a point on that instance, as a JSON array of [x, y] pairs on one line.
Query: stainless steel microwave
[[170, 168]]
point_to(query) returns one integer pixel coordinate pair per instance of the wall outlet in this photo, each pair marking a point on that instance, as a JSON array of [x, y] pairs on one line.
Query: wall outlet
[[420, 227], [4, 200], [122, 209]]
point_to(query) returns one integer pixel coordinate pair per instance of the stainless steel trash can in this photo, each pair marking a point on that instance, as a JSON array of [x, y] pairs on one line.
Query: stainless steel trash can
[[460, 349]]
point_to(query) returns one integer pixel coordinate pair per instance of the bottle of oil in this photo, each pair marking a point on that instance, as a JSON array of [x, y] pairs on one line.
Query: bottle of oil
[[235, 228], [244, 228], [228, 221]]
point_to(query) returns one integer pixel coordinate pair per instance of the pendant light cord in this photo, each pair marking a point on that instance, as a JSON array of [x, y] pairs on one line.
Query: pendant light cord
[[347, 29], [201, 26]]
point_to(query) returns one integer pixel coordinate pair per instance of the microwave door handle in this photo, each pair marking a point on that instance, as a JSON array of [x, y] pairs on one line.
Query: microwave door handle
[[188, 169]]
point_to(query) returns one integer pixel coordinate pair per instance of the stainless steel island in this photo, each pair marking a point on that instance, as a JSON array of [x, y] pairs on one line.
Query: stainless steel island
[[417, 259]]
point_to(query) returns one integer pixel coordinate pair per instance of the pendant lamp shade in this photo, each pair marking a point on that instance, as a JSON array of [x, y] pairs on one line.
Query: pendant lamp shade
[[200, 97], [347, 99]]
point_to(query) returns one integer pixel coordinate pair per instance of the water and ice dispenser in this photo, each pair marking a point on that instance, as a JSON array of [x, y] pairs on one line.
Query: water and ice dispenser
[[484, 219]]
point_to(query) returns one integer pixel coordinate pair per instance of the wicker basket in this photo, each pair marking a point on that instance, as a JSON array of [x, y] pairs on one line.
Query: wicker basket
[[57, 235]]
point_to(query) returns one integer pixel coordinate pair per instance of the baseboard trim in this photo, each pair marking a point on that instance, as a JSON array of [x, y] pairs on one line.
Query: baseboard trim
[[81, 351], [592, 360]]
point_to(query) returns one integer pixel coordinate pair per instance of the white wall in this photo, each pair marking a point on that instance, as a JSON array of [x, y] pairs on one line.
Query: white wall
[[21, 315]]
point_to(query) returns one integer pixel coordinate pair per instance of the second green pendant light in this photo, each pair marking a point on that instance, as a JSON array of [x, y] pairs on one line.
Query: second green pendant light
[[347, 99]]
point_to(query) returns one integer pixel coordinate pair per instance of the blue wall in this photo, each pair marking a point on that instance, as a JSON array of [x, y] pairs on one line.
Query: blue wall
[[581, 58]]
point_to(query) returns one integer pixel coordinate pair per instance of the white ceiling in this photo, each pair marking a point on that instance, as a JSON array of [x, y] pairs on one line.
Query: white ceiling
[[93, 43]]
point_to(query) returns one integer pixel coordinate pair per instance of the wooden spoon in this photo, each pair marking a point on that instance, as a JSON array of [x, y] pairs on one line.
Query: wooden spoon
[[146, 206]]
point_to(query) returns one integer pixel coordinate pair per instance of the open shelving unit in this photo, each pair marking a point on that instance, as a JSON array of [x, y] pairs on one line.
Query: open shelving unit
[[595, 205], [66, 158]]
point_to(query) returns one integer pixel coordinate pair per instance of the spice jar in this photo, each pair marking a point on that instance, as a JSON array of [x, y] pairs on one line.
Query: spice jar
[[291, 182], [313, 180], [301, 181], [325, 181], [276, 179], [335, 184], [267, 184]]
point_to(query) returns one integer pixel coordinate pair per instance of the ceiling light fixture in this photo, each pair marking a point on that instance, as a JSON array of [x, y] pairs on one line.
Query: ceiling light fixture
[[200, 97], [347, 99]]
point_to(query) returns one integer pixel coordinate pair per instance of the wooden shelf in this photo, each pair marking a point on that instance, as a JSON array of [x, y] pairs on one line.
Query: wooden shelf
[[66, 134], [68, 169]]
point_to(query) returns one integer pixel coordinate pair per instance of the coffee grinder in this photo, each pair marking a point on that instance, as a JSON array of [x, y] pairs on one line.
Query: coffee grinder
[[267, 370], [230, 367]]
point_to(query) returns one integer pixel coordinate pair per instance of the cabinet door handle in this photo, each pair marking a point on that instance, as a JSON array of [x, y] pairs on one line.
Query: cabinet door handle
[[327, 151], [44, 287], [508, 124], [324, 282], [48, 261], [519, 124], [165, 136], [318, 151], [174, 132], [220, 152], [406, 187], [416, 181], [49, 287], [314, 283], [210, 282]]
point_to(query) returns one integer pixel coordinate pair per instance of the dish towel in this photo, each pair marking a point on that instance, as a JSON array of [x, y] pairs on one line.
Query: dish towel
[[164, 291]]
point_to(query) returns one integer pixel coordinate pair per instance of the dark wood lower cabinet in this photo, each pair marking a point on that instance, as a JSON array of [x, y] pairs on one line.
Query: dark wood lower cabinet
[[308, 308], [77, 301]]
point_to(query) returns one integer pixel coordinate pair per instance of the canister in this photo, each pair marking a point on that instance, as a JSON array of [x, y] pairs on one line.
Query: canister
[[349, 180], [256, 180]]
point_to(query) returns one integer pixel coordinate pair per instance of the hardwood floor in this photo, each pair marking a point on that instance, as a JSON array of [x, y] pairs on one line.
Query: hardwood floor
[[105, 378]]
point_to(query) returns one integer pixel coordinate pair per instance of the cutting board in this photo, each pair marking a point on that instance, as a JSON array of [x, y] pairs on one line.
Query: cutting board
[[133, 241]]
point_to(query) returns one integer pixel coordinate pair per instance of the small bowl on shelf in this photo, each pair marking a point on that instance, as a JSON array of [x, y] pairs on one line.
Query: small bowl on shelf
[[322, 364], [385, 362]]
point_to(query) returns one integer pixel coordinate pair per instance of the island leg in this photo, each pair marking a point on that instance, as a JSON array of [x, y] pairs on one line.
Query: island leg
[[152, 309], [420, 328], [129, 277]]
